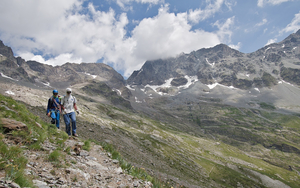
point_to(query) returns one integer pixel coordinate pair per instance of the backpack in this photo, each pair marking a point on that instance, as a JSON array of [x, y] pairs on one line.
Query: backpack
[[58, 106]]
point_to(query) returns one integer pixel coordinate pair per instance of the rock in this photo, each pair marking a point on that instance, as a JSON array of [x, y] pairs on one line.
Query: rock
[[10, 125], [119, 170], [115, 161], [96, 165], [136, 184], [40, 184], [38, 125], [14, 185], [84, 153], [77, 148]]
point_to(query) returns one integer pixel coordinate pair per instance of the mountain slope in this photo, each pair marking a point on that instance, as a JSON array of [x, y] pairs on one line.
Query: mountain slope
[[212, 118], [271, 75]]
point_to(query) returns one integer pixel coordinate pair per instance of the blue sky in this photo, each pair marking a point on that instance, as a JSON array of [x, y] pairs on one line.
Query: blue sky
[[126, 33]]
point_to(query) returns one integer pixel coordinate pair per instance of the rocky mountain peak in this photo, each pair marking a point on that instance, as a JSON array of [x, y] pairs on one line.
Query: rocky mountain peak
[[6, 51]]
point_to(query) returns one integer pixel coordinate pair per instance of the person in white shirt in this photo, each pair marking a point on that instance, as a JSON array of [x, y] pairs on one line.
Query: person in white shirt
[[68, 104]]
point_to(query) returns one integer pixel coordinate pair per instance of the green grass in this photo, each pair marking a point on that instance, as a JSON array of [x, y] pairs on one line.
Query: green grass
[[54, 156], [267, 106], [12, 159], [87, 145], [130, 169]]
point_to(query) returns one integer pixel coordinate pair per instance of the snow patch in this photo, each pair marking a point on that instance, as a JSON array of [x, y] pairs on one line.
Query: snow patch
[[46, 84], [94, 76], [9, 92], [211, 86], [137, 101], [283, 46], [211, 64], [191, 80], [167, 84], [4, 76], [295, 48], [120, 93], [268, 49], [129, 87], [282, 81], [257, 89]]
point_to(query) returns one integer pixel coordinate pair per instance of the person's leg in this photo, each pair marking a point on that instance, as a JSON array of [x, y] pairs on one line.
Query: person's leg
[[67, 122], [53, 116], [57, 118], [73, 118]]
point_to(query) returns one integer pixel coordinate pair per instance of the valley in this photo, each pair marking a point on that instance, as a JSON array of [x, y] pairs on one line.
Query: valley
[[212, 118]]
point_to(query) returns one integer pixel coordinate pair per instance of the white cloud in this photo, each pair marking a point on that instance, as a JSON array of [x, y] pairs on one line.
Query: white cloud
[[166, 35], [89, 36], [263, 22], [261, 3], [123, 3], [294, 25], [236, 46], [271, 41], [59, 60], [199, 15], [76, 33], [225, 29]]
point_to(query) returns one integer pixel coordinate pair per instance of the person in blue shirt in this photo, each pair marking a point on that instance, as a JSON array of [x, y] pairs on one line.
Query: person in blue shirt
[[54, 108]]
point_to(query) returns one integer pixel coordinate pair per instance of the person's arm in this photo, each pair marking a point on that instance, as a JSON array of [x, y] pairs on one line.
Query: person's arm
[[75, 106], [62, 100]]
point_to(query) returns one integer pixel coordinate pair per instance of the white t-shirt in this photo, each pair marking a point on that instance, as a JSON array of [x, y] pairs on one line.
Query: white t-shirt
[[68, 102]]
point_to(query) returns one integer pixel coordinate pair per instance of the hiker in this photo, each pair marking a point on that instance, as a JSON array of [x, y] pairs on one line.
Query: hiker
[[54, 108], [68, 105]]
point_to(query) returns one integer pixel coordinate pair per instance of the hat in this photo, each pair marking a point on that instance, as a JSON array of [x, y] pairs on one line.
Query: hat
[[55, 91], [68, 90]]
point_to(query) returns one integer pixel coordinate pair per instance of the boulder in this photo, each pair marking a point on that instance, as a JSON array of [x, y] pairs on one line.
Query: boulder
[[10, 125]]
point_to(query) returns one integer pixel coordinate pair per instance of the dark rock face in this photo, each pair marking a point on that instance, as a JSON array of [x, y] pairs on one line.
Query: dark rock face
[[179, 81], [6, 51], [290, 75], [273, 57], [268, 79]]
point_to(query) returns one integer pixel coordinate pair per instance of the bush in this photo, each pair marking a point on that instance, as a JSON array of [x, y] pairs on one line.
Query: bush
[[87, 145]]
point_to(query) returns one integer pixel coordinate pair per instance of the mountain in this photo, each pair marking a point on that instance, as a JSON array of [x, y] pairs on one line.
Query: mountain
[[271, 74], [215, 117], [80, 76]]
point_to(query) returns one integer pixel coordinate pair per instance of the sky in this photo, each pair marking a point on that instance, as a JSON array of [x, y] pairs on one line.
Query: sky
[[126, 33]]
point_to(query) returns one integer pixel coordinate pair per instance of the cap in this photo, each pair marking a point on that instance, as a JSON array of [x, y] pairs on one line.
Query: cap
[[68, 90]]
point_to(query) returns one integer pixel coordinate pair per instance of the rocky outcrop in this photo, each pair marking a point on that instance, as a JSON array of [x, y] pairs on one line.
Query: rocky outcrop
[[290, 75], [12, 125]]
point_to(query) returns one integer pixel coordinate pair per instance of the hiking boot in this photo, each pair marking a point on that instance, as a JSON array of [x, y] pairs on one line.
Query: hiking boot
[[53, 121], [76, 135]]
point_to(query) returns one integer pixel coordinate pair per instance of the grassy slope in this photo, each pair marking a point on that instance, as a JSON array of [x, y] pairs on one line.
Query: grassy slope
[[12, 159], [206, 145], [212, 145]]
